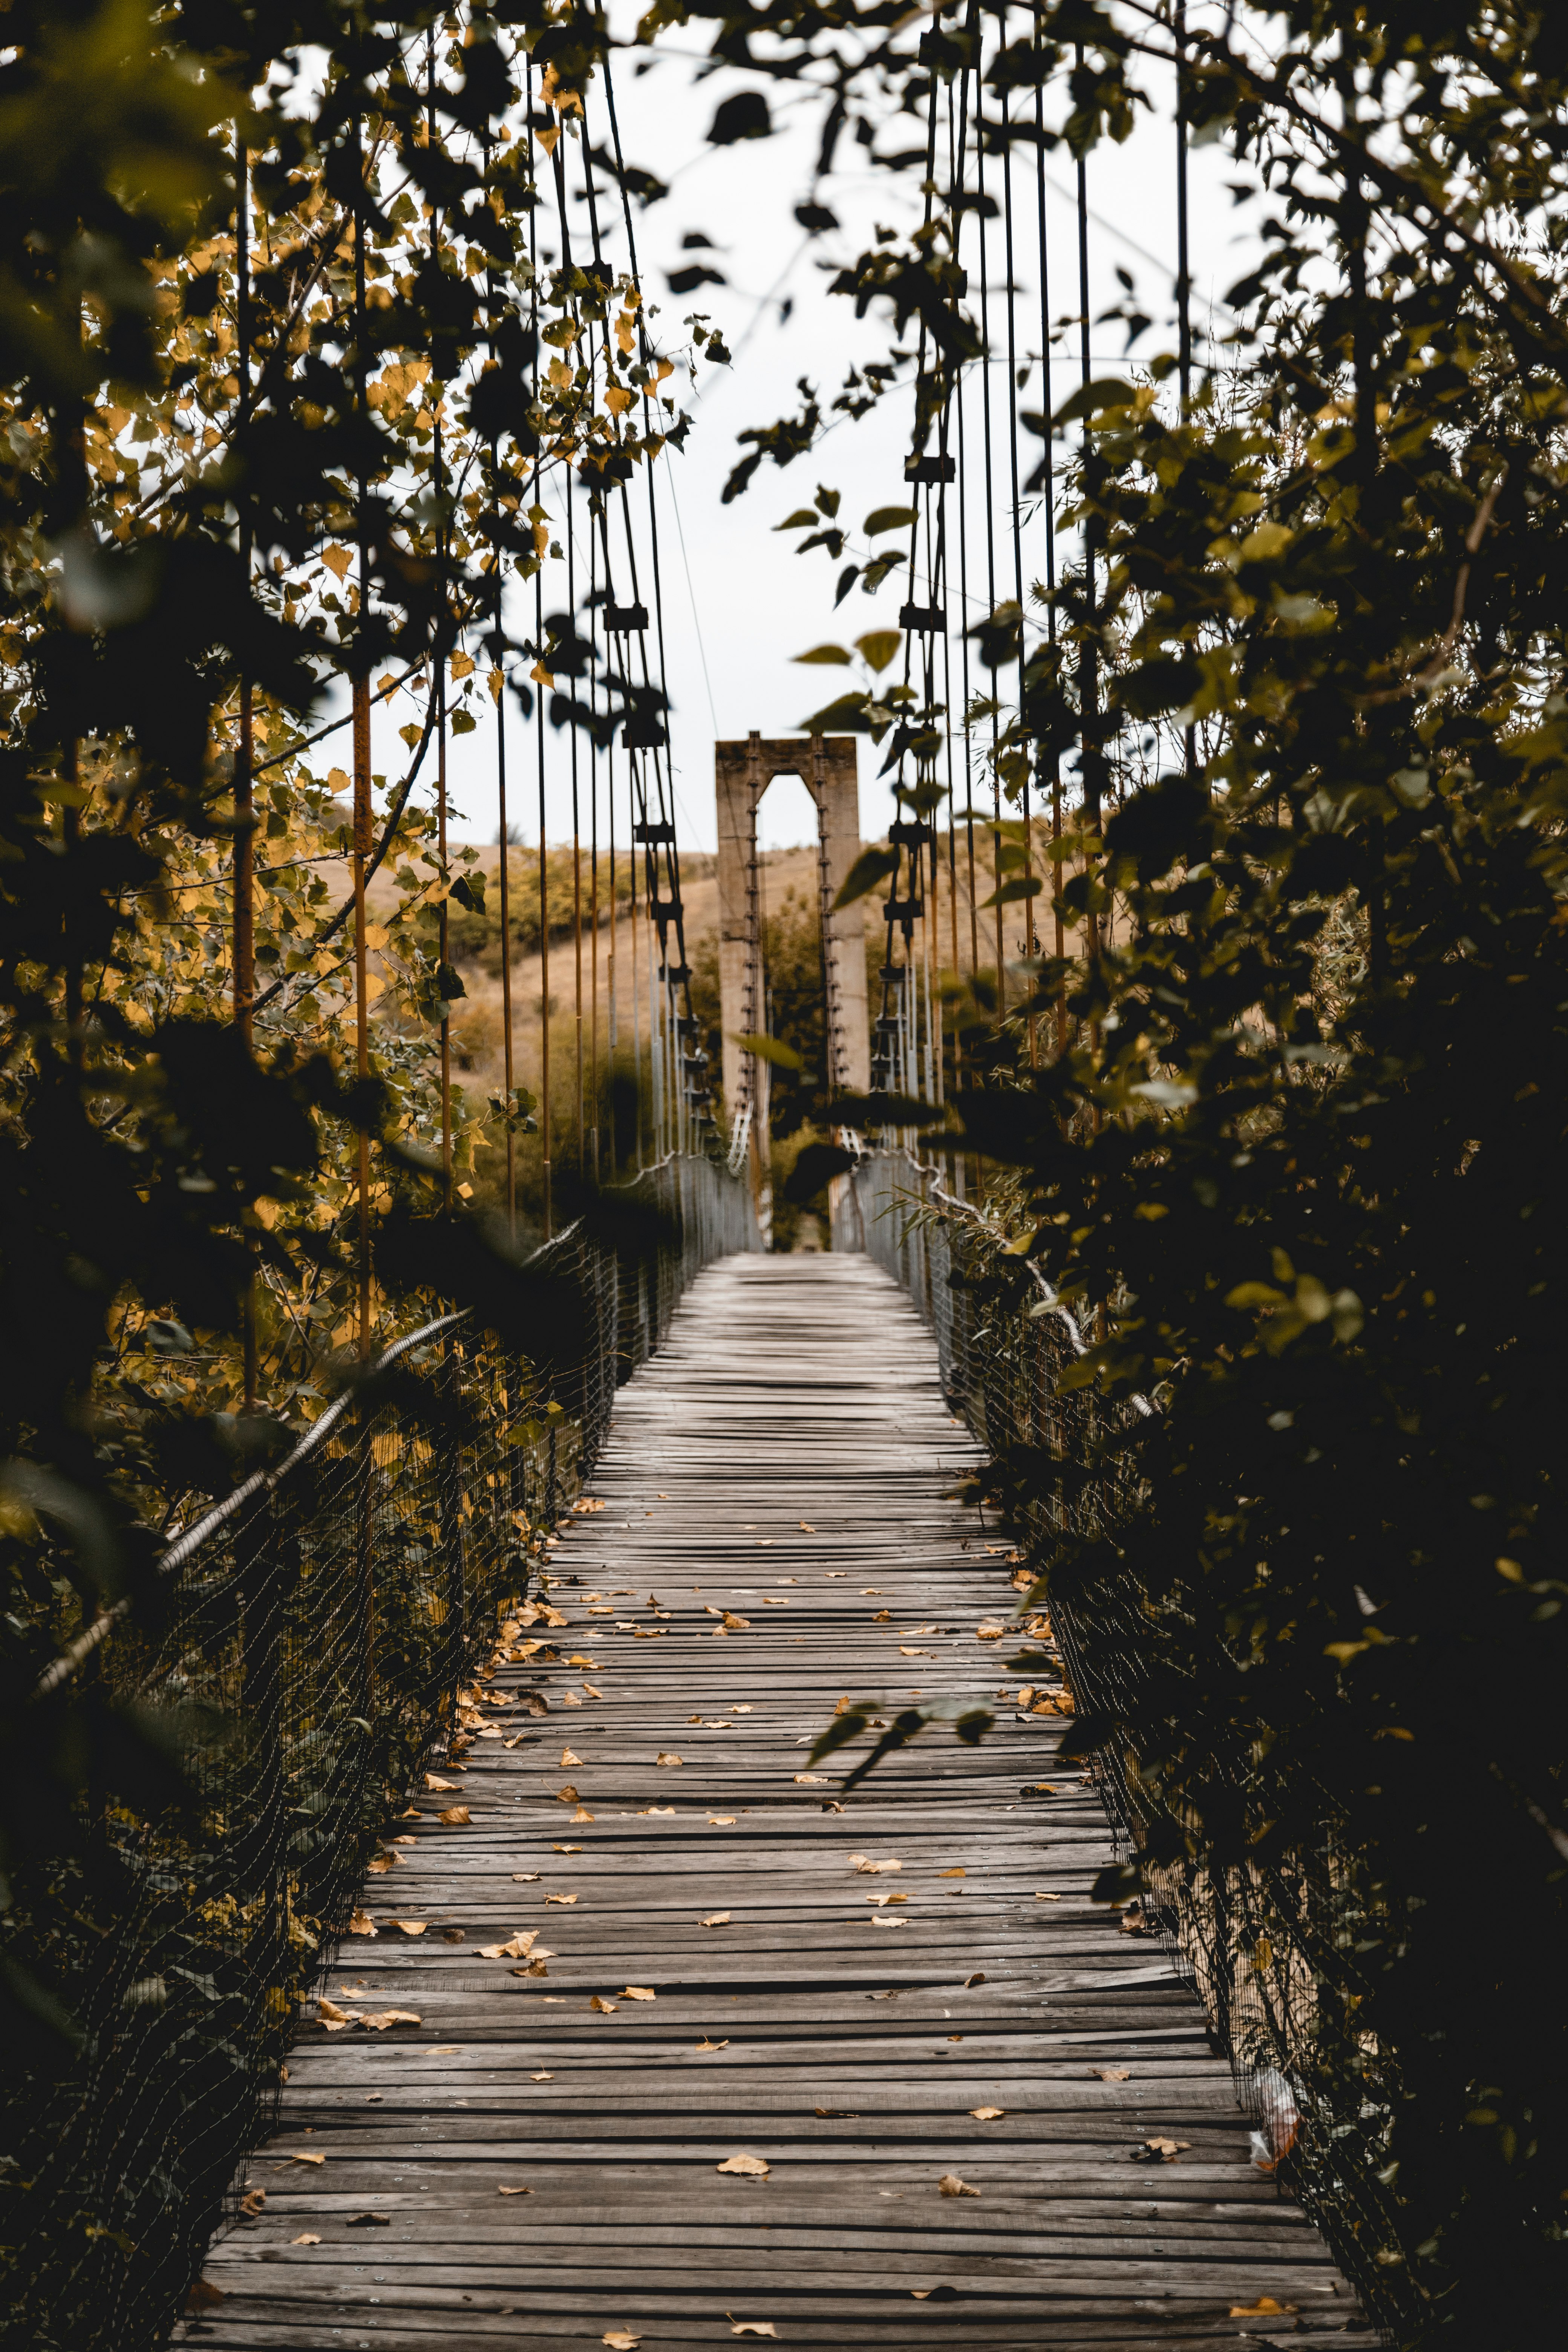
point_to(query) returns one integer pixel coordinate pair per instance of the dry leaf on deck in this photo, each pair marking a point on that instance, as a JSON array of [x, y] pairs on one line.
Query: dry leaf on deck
[[666, 1757], [306, 2238], [542, 2078], [720, 1821], [252, 2202], [381, 1862], [1264, 2306], [989, 1632], [811, 1779], [1046, 1898], [385, 2017], [307, 2159], [517, 2192], [568, 1758], [978, 1978], [329, 2014], [707, 2044], [526, 1877], [620, 2339], [753, 2327], [1112, 2073], [1160, 2150], [604, 2008], [434, 1781], [456, 1816], [749, 2168], [867, 1868], [715, 1919], [951, 2186], [518, 1948], [410, 1926], [953, 1873], [806, 1529], [638, 1992], [361, 1924], [567, 1796], [987, 2114], [589, 1666], [561, 1898]]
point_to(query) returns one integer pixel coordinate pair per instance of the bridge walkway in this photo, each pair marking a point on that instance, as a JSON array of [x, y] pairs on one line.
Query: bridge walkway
[[678, 2067]]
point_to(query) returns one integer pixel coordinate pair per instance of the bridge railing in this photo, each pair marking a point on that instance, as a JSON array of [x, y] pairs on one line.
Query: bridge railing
[[1270, 1950], [310, 1637]]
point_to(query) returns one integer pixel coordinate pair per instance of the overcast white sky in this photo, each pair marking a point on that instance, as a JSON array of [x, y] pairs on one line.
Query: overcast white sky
[[739, 602]]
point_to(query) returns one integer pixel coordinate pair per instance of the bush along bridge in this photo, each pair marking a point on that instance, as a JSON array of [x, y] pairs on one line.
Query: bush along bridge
[[534, 1977]]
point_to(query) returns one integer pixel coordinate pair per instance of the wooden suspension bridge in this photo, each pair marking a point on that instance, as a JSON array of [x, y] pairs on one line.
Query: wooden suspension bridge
[[684, 2047]]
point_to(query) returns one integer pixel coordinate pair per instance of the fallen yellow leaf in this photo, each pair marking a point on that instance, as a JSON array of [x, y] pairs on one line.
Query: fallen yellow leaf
[[620, 2339], [560, 1898], [383, 2017], [665, 1757], [638, 1992], [708, 2044], [867, 1868], [306, 2238], [806, 1529], [604, 2008], [753, 2327], [329, 2014], [434, 1781], [1264, 2306], [309, 2159], [720, 1821], [518, 1948], [517, 2192], [811, 1779], [987, 2114], [715, 1919], [361, 1924], [454, 1817], [749, 2168], [951, 2186], [410, 1926]]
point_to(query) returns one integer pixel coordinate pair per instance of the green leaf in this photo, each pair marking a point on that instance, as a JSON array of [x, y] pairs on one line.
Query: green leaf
[[1092, 399], [887, 519], [823, 654], [768, 1049], [850, 714], [841, 1730], [872, 865], [1022, 885], [816, 1165], [879, 646]]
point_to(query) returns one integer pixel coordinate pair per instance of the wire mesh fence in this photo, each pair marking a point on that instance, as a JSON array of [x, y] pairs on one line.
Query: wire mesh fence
[[308, 1638], [1270, 1948]]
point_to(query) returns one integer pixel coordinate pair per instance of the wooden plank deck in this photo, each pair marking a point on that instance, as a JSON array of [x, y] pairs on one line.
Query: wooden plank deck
[[842, 2040]]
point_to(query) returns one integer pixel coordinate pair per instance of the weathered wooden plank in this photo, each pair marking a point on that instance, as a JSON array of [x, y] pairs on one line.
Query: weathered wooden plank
[[846, 2055]]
